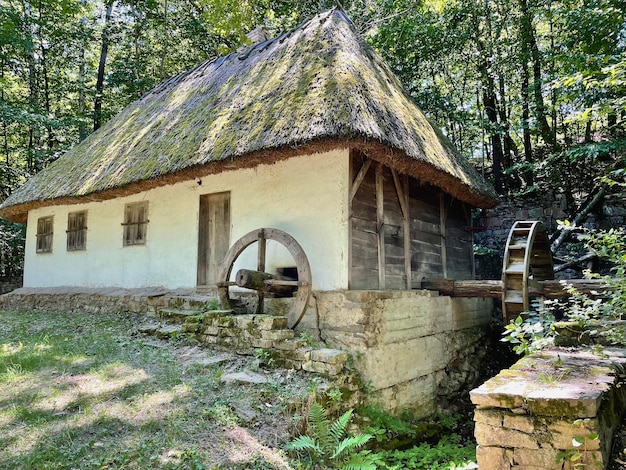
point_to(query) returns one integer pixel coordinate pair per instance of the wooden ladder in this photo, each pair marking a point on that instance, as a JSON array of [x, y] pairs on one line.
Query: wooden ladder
[[527, 259]]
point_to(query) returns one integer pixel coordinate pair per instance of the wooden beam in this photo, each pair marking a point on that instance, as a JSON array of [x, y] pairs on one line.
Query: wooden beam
[[359, 178], [380, 225], [266, 282], [406, 227], [493, 288], [442, 228], [400, 194]]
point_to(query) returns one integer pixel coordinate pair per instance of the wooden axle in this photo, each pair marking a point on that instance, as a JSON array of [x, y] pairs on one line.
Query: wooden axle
[[550, 289], [265, 282]]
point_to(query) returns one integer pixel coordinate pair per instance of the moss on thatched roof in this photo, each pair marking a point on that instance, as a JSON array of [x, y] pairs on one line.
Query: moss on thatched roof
[[317, 87]]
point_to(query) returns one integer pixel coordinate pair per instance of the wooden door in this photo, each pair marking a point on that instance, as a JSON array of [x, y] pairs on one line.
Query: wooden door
[[213, 236]]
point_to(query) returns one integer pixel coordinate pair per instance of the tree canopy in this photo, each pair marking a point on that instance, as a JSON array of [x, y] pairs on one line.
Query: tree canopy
[[533, 92]]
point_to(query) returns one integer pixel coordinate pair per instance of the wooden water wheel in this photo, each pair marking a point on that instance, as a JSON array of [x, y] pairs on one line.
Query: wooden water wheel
[[527, 260], [263, 282]]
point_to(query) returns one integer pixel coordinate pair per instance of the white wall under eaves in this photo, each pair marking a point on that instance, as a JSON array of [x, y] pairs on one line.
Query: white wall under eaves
[[305, 196]]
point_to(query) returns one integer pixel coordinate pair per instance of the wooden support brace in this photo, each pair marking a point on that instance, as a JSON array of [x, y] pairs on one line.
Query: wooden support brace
[[359, 178]]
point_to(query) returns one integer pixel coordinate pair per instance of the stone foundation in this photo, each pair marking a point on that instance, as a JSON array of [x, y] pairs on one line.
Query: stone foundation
[[554, 410], [7, 284], [415, 350]]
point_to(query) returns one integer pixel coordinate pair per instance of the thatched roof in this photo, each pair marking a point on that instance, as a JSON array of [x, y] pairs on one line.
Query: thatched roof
[[318, 87]]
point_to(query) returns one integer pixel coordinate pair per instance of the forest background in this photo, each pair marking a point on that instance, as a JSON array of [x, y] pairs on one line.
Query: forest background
[[533, 92]]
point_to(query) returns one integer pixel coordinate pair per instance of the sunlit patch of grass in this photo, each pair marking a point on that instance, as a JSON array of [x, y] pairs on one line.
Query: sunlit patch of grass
[[10, 348], [79, 391], [12, 373]]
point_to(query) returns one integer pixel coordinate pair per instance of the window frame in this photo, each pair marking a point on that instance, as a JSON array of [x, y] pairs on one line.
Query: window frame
[[135, 224], [44, 238], [76, 232]]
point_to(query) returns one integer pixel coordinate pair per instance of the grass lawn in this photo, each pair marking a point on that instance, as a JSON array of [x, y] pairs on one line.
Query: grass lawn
[[85, 391]]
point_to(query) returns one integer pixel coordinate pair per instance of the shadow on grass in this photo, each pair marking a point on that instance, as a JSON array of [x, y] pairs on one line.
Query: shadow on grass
[[80, 392]]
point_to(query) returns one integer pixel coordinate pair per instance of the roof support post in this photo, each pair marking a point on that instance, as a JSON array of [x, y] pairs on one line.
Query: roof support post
[[380, 225], [402, 190], [443, 215]]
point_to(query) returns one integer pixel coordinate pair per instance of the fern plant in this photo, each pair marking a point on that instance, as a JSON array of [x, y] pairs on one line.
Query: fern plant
[[328, 444]]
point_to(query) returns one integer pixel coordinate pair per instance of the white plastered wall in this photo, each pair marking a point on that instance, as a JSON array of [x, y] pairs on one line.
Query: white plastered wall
[[305, 196]]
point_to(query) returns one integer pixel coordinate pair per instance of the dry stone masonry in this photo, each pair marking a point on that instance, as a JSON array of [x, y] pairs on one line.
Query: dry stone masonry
[[416, 350], [551, 410]]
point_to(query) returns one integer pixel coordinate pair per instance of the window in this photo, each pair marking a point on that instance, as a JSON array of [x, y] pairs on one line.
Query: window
[[77, 231], [135, 223], [44, 235]]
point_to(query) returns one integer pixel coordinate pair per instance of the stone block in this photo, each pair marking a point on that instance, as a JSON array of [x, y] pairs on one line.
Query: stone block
[[501, 394], [289, 344], [211, 330], [270, 322], [228, 341], [245, 377], [545, 457], [391, 364], [563, 432], [344, 317], [350, 341], [232, 332], [491, 458], [494, 436], [570, 401], [329, 356], [302, 354], [192, 327], [277, 335], [225, 321], [322, 368], [525, 424], [209, 339], [244, 322], [489, 417], [261, 343]]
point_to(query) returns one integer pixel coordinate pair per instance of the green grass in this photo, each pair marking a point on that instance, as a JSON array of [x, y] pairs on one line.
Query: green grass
[[84, 392]]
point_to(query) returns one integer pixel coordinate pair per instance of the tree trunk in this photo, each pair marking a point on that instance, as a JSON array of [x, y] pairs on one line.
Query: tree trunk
[[490, 104], [46, 83], [529, 43], [579, 218], [528, 147], [165, 45], [97, 108], [5, 131]]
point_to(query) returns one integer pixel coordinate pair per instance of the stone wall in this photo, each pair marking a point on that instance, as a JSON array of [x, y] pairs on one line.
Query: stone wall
[[7, 284], [497, 222], [554, 410], [415, 350]]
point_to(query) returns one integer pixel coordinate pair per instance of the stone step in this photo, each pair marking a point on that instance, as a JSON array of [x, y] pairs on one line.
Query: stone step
[[192, 302], [149, 328], [168, 331], [175, 315]]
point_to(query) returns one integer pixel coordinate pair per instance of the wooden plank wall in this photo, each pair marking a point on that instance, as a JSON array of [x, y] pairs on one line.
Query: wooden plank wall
[[364, 255], [378, 230], [459, 241]]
